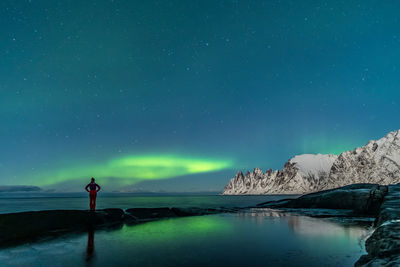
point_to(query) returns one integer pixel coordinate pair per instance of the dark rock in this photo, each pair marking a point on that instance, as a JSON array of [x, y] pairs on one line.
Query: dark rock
[[274, 203], [196, 211], [387, 214], [16, 227], [148, 214], [384, 241], [363, 199], [383, 246]]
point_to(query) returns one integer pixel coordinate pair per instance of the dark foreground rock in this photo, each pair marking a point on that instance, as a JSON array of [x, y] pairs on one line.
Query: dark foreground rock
[[360, 199], [137, 215], [383, 246], [16, 228], [23, 226]]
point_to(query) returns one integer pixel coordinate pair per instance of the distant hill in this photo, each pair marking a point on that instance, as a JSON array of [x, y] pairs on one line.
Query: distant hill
[[19, 188]]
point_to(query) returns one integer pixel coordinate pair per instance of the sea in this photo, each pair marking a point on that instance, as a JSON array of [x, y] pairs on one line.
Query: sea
[[253, 237]]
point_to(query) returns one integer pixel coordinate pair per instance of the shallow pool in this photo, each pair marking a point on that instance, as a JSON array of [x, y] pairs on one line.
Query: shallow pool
[[253, 238]]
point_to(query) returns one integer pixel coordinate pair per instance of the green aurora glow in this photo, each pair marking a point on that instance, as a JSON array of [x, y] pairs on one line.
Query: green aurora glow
[[173, 229], [134, 168], [322, 143], [84, 81]]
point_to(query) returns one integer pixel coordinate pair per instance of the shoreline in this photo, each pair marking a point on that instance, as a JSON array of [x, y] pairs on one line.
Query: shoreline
[[358, 201], [20, 227], [382, 203]]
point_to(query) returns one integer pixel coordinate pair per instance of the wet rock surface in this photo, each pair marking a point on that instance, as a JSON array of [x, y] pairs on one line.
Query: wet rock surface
[[383, 246], [24, 226], [357, 199], [137, 215], [17, 228], [148, 214]]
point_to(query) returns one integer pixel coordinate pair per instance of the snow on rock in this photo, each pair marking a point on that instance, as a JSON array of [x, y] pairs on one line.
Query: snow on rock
[[299, 175], [376, 162], [310, 164]]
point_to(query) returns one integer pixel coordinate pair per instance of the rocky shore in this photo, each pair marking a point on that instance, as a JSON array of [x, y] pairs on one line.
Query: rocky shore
[[383, 246], [18, 228], [380, 203], [364, 200], [357, 199]]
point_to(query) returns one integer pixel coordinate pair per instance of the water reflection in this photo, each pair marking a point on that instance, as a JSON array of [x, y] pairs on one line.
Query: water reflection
[[90, 245], [258, 238], [308, 226], [170, 230], [318, 227]]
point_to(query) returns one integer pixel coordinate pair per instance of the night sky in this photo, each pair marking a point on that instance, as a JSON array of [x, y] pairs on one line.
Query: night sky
[[179, 95]]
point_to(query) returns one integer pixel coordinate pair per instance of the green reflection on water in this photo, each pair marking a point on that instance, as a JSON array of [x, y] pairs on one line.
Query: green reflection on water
[[172, 229]]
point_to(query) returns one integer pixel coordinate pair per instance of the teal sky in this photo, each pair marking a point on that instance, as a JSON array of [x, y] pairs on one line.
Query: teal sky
[[230, 84]]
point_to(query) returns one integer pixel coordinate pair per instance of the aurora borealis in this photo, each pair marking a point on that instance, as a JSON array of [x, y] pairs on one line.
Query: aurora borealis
[[135, 168], [179, 95]]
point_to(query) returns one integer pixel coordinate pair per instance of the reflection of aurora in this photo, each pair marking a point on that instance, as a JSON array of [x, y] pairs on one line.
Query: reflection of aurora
[[136, 168], [171, 229]]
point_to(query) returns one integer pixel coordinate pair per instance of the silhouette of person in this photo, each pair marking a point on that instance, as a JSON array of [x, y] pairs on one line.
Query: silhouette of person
[[92, 188]]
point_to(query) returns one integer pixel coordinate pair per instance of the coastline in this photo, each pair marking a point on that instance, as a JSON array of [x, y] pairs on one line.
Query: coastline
[[358, 200], [354, 202], [18, 228]]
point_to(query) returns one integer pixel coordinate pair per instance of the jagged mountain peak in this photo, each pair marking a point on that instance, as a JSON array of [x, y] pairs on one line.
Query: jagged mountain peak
[[376, 162], [313, 163]]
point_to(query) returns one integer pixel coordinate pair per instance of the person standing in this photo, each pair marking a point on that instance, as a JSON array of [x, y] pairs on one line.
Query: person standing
[[92, 188]]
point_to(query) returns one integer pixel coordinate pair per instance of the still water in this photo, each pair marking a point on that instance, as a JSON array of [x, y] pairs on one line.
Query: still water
[[18, 203], [257, 237]]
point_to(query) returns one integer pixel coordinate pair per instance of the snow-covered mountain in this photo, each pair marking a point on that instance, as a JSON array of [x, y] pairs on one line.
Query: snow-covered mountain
[[376, 162], [303, 173]]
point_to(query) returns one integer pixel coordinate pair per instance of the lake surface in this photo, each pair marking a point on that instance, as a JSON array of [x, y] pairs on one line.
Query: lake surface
[[257, 237]]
